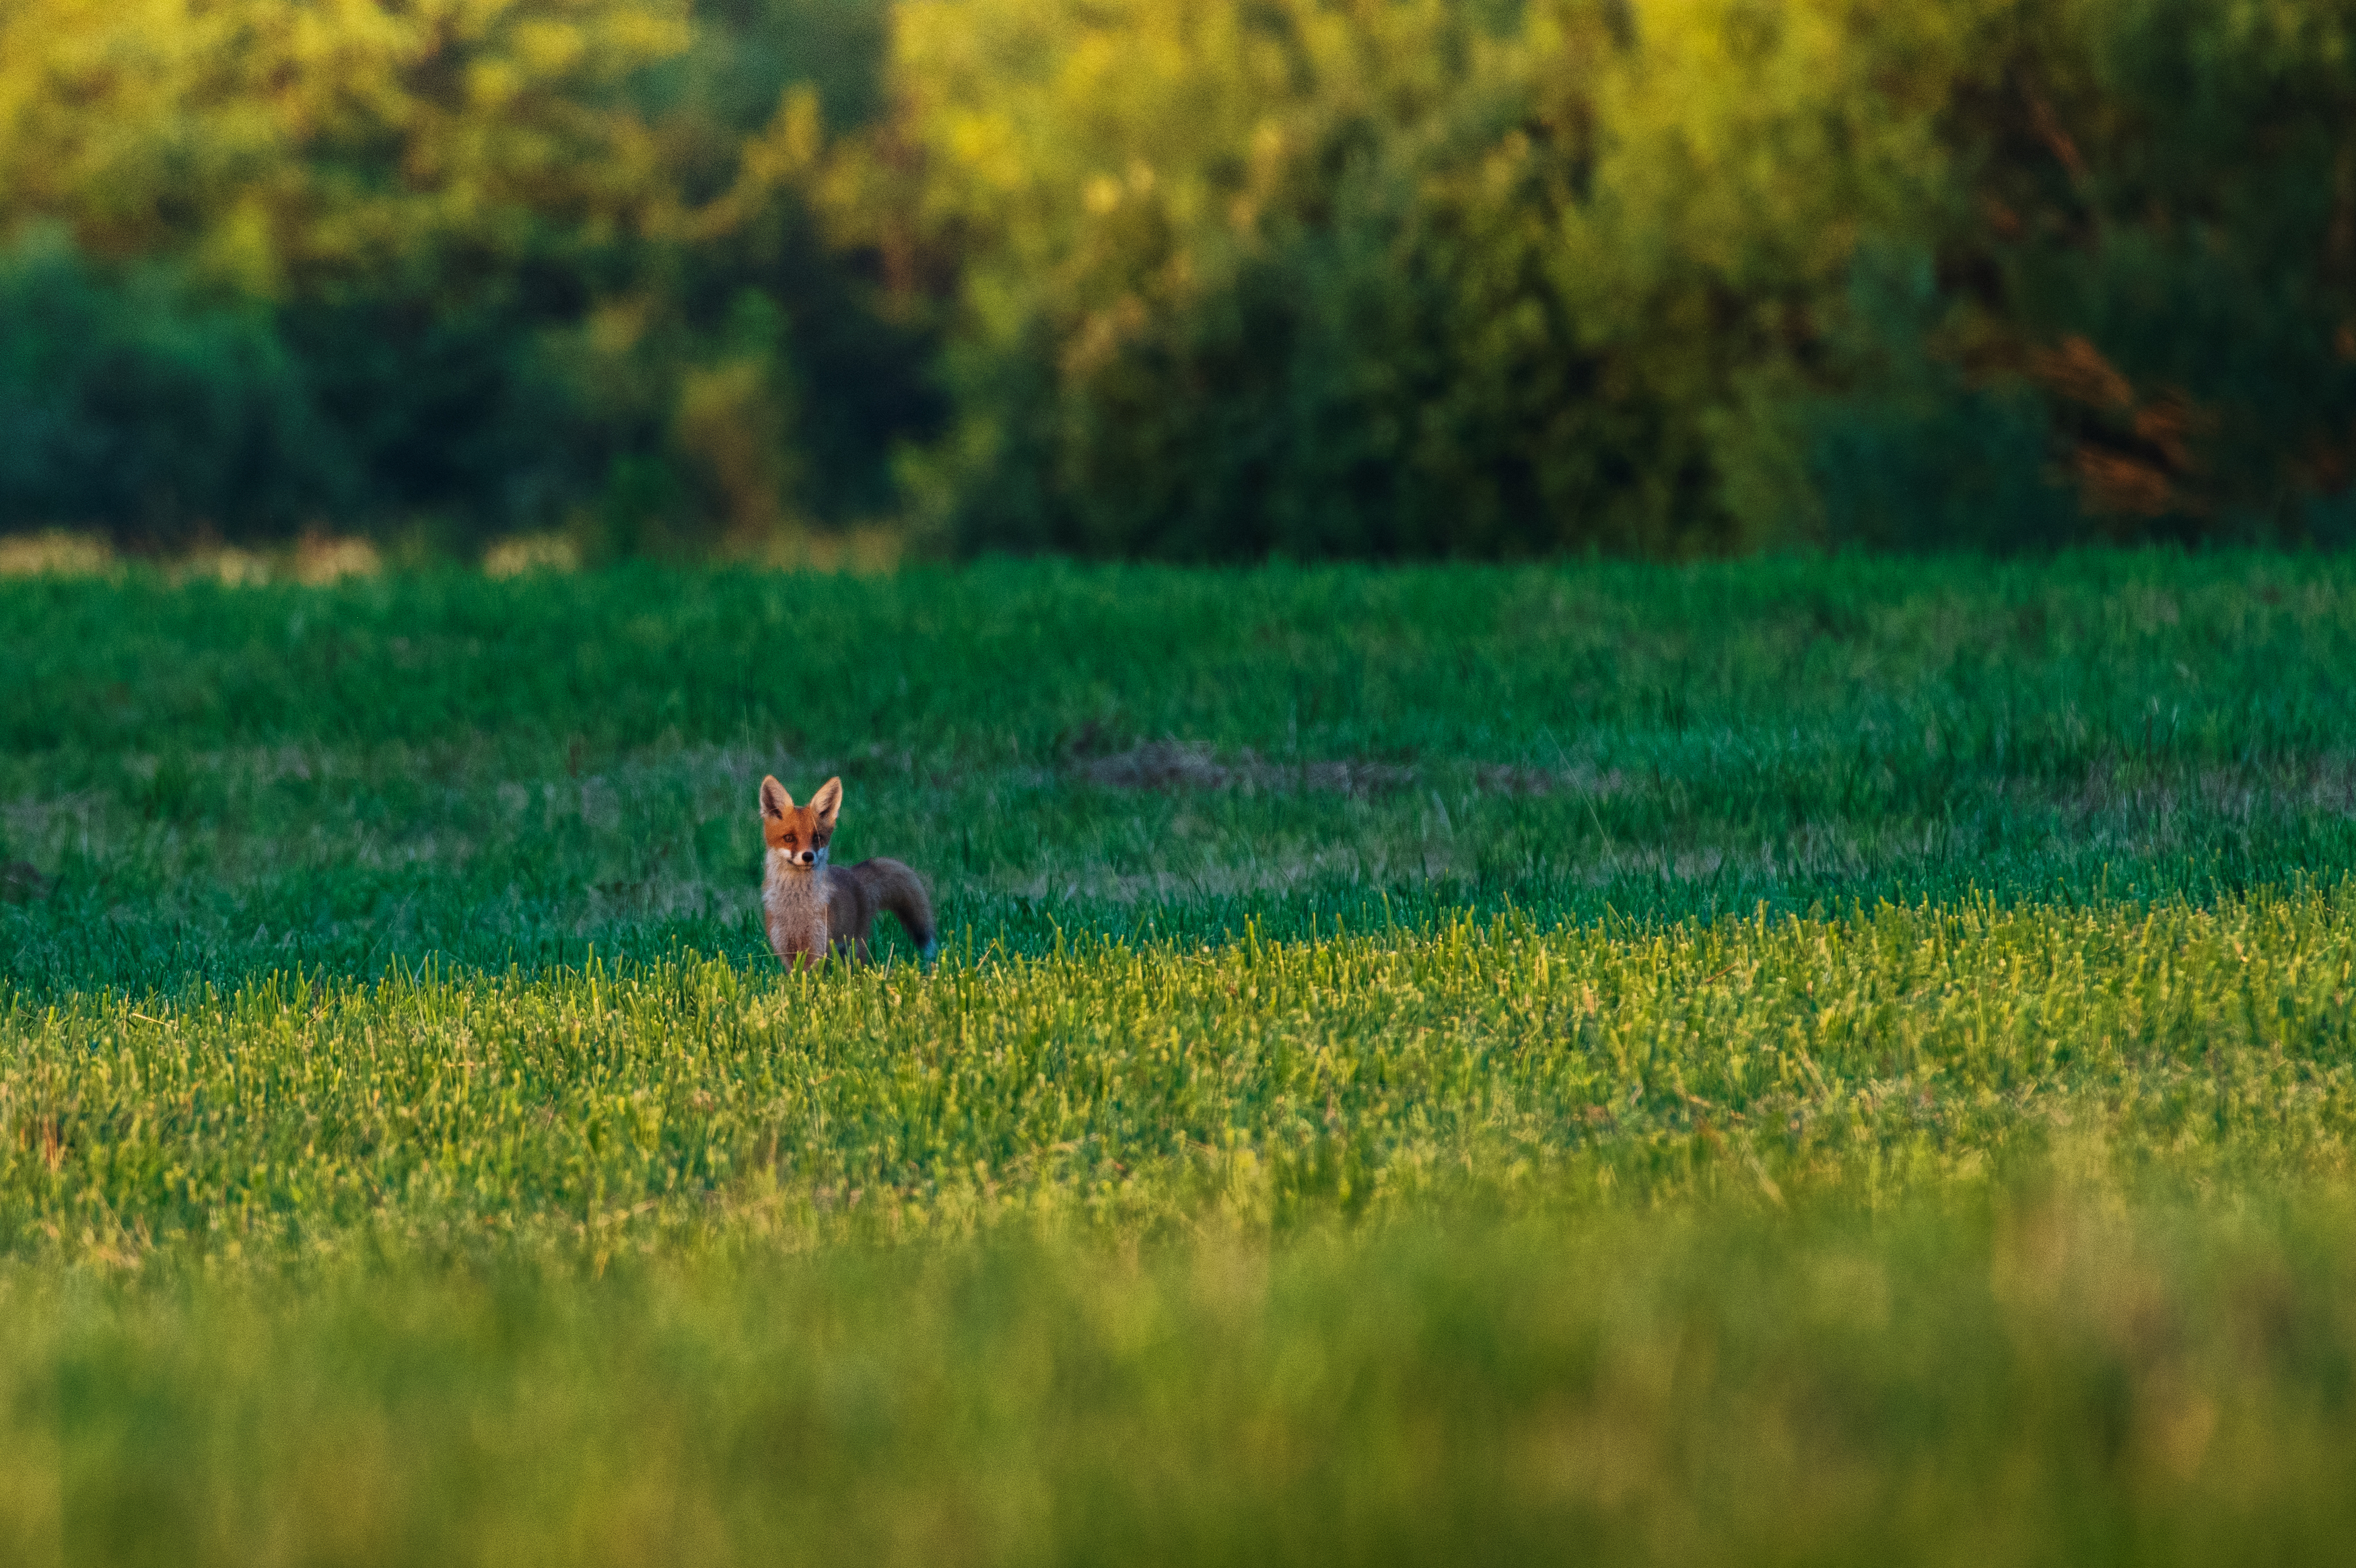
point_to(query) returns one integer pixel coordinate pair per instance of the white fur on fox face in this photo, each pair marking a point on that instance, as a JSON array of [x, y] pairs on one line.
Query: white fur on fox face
[[803, 859]]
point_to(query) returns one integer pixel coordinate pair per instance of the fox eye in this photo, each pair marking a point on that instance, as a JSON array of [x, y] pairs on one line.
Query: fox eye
[[789, 838]]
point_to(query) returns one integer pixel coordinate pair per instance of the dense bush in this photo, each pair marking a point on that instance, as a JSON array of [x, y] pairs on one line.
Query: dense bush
[[1385, 279], [129, 402], [509, 266], [2164, 243], [1219, 280], [1691, 274]]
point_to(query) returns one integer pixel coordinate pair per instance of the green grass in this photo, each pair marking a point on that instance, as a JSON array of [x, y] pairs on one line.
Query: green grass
[[1791, 1061], [1125, 1093], [233, 781], [2057, 1387]]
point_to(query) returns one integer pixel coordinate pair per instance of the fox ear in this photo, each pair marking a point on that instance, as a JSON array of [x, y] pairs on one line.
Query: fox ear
[[775, 801], [828, 800]]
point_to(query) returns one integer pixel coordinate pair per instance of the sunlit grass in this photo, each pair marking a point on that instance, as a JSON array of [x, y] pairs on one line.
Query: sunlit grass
[[1125, 1091]]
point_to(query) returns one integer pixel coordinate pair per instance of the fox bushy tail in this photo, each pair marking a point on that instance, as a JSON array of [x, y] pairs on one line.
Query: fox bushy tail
[[895, 887]]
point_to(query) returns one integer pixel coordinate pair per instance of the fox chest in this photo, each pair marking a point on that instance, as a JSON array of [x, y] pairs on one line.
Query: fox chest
[[796, 913]]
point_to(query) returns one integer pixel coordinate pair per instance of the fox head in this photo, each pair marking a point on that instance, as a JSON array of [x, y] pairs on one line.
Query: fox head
[[798, 833]]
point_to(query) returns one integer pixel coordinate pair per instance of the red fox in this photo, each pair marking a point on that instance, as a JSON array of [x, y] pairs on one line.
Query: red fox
[[809, 906]]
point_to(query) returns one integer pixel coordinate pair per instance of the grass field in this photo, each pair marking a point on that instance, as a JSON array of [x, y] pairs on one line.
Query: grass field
[[1808, 1062]]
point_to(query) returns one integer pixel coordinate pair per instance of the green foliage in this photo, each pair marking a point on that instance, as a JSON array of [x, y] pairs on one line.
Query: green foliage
[[1235, 279], [1406, 278], [1402, 279], [1916, 452], [485, 256], [140, 404], [2165, 241]]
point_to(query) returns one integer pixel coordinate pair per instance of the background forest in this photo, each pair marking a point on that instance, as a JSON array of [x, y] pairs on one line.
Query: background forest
[[1209, 281]]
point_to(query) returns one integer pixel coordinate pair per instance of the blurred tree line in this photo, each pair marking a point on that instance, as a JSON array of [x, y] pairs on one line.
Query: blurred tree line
[[1205, 279], [470, 266]]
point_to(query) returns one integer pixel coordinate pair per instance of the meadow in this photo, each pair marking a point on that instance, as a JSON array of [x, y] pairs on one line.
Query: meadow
[[1799, 1061]]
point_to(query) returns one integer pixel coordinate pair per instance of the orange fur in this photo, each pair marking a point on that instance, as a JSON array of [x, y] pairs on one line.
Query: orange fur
[[810, 907]]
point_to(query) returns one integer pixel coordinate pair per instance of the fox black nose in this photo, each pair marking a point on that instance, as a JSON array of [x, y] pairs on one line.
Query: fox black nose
[[809, 856]]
